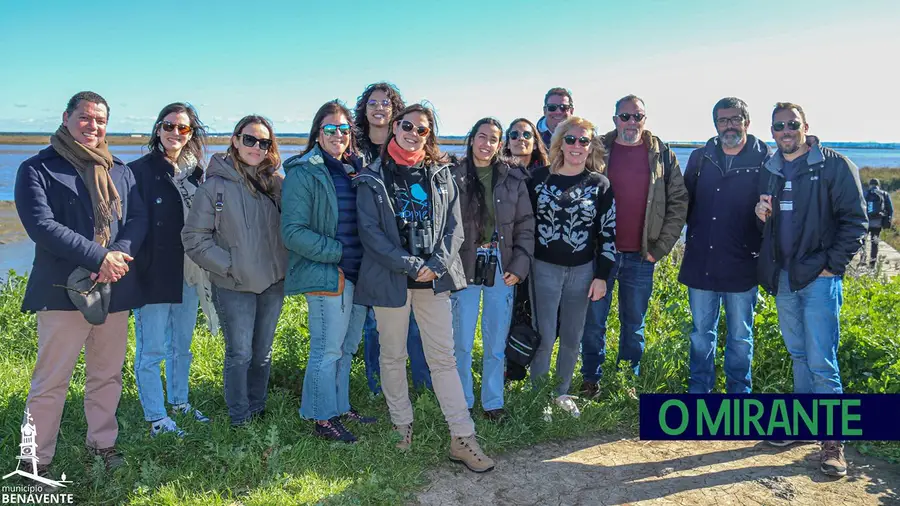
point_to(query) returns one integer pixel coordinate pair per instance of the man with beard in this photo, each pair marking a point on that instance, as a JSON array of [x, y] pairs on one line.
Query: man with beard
[[719, 266], [651, 206], [558, 107], [812, 206]]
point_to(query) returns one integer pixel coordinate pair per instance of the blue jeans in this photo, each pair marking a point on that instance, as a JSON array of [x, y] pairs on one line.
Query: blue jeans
[[739, 309], [495, 320], [809, 321], [248, 322], [164, 332], [421, 376], [335, 330], [635, 276]]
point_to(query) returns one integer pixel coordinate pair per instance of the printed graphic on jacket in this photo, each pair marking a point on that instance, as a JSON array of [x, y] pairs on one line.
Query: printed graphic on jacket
[[411, 199], [567, 215]]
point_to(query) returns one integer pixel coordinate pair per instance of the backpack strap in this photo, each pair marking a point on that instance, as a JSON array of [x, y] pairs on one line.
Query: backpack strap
[[219, 187]]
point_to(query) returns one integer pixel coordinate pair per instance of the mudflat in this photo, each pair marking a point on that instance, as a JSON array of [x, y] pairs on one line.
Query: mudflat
[[10, 227]]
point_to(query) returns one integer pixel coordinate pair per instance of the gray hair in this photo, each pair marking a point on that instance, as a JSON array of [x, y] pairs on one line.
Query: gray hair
[[629, 98], [731, 103]]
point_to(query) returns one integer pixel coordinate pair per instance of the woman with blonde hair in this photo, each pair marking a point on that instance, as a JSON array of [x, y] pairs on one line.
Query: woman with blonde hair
[[574, 249]]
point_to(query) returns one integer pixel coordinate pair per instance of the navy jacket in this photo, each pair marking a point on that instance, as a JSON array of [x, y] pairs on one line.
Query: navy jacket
[[55, 209], [160, 262], [723, 239], [829, 218]]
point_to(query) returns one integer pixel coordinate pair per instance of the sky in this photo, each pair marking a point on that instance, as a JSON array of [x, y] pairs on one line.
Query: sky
[[470, 59]]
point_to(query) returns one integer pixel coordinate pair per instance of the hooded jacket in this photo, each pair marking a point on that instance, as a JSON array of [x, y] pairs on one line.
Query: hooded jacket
[[242, 247]]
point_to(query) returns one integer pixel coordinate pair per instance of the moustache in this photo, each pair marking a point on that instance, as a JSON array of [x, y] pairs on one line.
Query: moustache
[[731, 131]]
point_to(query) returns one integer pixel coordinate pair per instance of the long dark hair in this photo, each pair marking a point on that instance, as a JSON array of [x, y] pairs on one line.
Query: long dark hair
[[331, 107], [196, 145], [362, 121], [433, 153], [265, 174], [474, 186], [539, 156]]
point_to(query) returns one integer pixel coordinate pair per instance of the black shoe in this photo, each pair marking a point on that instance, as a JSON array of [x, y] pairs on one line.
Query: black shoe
[[495, 415], [259, 415], [111, 457], [354, 416], [589, 389], [334, 430]]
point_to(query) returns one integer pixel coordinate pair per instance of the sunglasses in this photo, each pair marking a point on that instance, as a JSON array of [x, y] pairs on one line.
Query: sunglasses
[[407, 126], [330, 129], [250, 141], [515, 134], [571, 139], [792, 125], [374, 103], [182, 129], [561, 107], [627, 116]]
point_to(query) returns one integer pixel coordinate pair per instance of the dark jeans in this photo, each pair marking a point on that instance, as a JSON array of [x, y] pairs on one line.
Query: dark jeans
[[420, 374], [248, 323], [874, 236], [635, 276]]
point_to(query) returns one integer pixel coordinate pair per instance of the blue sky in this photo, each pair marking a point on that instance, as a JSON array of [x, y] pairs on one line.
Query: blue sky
[[470, 59]]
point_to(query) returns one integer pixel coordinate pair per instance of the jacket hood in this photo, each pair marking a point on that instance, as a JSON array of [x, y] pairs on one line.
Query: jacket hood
[[220, 165], [314, 156], [542, 125], [776, 163]]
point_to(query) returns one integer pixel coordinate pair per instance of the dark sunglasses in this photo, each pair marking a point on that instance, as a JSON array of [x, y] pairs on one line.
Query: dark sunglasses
[[627, 116], [514, 134], [407, 126], [250, 141], [330, 129], [374, 103], [571, 139], [561, 107], [182, 129], [792, 125]]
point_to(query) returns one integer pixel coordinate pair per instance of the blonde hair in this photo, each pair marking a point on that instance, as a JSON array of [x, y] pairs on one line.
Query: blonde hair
[[596, 161]]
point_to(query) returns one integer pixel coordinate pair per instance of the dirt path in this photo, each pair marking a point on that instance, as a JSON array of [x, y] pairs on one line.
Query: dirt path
[[605, 472]]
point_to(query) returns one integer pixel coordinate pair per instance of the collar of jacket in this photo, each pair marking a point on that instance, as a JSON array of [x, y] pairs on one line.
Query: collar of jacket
[[542, 125], [163, 163], [754, 149], [775, 165], [313, 163]]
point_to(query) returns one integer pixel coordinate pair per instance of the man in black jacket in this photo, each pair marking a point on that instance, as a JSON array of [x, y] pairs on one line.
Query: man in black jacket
[[880, 210], [811, 203]]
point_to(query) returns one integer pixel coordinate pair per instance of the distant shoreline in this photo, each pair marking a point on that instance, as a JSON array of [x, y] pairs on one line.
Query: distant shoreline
[[142, 140]]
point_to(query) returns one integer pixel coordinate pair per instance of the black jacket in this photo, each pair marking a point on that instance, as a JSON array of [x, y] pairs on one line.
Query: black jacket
[[723, 239], [55, 208], [386, 265], [829, 218], [160, 262]]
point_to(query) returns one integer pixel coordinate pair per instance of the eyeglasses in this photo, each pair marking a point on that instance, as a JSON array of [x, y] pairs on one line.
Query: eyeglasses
[[250, 141], [638, 117], [734, 120], [571, 139], [330, 129], [372, 104], [182, 129], [407, 126], [84, 293], [792, 125], [561, 107], [514, 134]]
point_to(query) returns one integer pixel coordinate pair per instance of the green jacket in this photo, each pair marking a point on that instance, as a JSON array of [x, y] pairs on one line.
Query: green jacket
[[309, 221]]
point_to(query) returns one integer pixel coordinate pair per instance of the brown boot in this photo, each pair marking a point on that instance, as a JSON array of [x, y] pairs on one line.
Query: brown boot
[[465, 450], [405, 432], [833, 462]]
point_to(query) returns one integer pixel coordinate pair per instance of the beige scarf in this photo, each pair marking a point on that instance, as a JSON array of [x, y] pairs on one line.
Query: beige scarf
[[93, 165]]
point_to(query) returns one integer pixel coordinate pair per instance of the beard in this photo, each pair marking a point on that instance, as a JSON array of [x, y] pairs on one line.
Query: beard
[[631, 137], [788, 146], [731, 138]]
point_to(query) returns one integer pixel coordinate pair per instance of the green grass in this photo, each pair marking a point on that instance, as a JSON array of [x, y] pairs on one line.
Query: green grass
[[279, 461]]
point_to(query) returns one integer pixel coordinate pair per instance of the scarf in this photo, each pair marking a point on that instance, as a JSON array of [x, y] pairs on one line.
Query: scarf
[[404, 157], [93, 165]]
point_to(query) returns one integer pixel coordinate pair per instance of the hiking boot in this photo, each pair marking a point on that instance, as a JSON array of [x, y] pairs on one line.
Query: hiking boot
[[165, 425], [405, 432], [466, 451], [496, 415], [567, 404], [590, 389], [111, 457], [833, 462], [334, 430], [187, 409], [353, 415]]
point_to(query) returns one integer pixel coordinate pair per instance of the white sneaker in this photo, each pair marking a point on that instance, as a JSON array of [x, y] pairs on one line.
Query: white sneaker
[[567, 404], [187, 409], [165, 425]]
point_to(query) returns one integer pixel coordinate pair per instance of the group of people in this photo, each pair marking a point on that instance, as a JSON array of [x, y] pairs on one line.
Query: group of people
[[389, 238]]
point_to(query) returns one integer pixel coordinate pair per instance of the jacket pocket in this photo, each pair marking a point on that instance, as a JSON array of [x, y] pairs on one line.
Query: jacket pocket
[[233, 270]]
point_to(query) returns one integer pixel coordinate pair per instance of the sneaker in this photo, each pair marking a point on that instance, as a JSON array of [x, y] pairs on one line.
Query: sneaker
[[567, 404], [187, 409], [466, 451], [781, 443], [495, 415], [590, 389], [833, 462], [405, 432], [334, 430], [163, 426], [354, 416], [111, 457]]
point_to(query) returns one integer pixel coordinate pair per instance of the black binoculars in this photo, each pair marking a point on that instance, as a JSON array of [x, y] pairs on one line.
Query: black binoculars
[[485, 267], [419, 239]]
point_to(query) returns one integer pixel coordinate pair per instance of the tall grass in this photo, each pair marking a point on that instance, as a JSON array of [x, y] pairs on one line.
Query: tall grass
[[277, 460]]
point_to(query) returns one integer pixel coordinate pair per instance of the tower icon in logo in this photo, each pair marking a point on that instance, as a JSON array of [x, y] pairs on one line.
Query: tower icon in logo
[[28, 455]]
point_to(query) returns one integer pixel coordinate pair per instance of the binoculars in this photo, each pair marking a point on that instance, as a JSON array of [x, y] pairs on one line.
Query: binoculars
[[419, 238], [485, 266]]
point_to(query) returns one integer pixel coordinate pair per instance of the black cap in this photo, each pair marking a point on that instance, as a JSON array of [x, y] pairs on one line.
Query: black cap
[[875, 182]]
